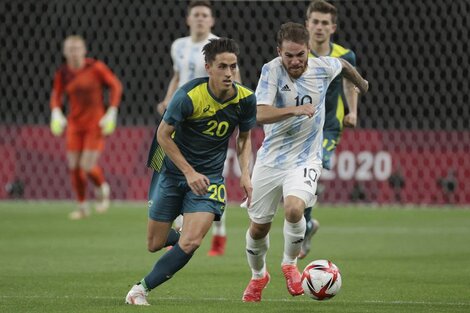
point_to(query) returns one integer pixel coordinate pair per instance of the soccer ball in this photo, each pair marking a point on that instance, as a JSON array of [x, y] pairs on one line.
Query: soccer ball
[[321, 280]]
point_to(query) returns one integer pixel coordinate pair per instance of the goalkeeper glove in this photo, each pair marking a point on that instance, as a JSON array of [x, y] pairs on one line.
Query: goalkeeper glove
[[58, 122], [108, 121]]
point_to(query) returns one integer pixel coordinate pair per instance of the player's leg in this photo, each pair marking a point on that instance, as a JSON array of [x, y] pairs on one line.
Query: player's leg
[[93, 147], [294, 230], [157, 235], [196, 227], [299, 191], [219, 237], [160, 235], [266, 195], [176, 228], [78, 179], [257, 245], [74, 143], [312, 225], [330, 141], [165, 202]]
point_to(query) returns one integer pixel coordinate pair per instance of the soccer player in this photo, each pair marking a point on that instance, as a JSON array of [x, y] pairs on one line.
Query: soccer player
[[341, 97], [83, 81], [188, 63], [192, 145], [291, 105]]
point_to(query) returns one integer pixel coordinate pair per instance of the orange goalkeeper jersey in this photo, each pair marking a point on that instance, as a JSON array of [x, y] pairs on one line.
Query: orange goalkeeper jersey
[[84, 89]]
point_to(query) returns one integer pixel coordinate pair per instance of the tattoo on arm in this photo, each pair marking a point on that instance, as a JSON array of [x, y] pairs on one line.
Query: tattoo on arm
[[353, 75]]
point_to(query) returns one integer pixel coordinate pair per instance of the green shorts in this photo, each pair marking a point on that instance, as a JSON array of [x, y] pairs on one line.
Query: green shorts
[[171, 196]]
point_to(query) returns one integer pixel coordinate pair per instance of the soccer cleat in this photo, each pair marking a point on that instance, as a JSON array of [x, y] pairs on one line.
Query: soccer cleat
[[83, 211], [293, 279], [306, 244], [218, 246], [137, 295], [254, 289], [103, 192]]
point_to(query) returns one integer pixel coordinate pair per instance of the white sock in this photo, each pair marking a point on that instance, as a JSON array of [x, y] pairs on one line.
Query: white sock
[[293, 237], [178, 222], [218, 228], [256, 254]]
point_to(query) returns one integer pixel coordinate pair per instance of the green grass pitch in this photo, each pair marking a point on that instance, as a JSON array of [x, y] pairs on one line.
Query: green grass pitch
[[391, 259]]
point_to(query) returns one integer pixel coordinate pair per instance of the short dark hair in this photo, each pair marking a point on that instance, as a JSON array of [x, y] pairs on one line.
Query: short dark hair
[[199, 3], [322, 7], [218, 46], [294, 32]]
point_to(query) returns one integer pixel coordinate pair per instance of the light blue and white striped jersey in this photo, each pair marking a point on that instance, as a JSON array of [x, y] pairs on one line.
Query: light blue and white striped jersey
[[188, 59], [295, 141]]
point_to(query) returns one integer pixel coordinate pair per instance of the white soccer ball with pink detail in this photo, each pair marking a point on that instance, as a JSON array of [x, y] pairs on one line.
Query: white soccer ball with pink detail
[[321, 280]]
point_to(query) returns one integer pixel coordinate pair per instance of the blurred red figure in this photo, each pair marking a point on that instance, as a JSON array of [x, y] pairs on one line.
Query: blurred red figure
[[83, 81]]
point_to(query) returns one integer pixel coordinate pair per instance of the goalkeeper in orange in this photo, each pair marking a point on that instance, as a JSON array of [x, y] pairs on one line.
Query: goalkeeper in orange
[[83, 81]]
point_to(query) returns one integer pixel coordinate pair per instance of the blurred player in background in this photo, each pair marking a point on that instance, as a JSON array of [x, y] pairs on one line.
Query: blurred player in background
[[188, 63], [291, 105], [341, 97], [83, 81], [190, 154]]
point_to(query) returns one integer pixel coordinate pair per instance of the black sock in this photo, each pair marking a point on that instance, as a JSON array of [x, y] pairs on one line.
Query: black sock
[[170, 263], [173, 237]]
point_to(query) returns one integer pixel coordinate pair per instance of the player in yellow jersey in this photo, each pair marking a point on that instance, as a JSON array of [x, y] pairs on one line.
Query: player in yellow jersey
[[341, 97], [188, 63], [188, 156]]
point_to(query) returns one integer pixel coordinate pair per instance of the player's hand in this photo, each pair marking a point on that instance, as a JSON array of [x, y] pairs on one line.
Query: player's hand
[[58, 122], [108, 121], [350, 120], [245, 184], [306, 109], [198, 183], [161, 107]]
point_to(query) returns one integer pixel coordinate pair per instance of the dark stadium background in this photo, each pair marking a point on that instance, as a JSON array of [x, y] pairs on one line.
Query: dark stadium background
[[414, 54]]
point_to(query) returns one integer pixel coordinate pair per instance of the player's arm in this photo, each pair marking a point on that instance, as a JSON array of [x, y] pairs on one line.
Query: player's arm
[[268, 114], [109, 120], [266, 92], [244, 155], [350, 73], [113, 83], [174, 81], [172, 86], [196, 181], [351, 95], [58, 120], [180, 108]]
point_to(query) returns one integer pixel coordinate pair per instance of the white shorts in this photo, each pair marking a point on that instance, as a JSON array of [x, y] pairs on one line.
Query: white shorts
[[270, 184]]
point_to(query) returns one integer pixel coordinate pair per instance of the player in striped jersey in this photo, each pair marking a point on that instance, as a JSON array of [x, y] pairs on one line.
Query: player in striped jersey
[[341, 97], [291, 104]]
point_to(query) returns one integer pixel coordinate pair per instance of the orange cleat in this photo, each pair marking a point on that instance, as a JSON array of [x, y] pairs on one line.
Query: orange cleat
[[218, 246], [293, 279], [254, 289]]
